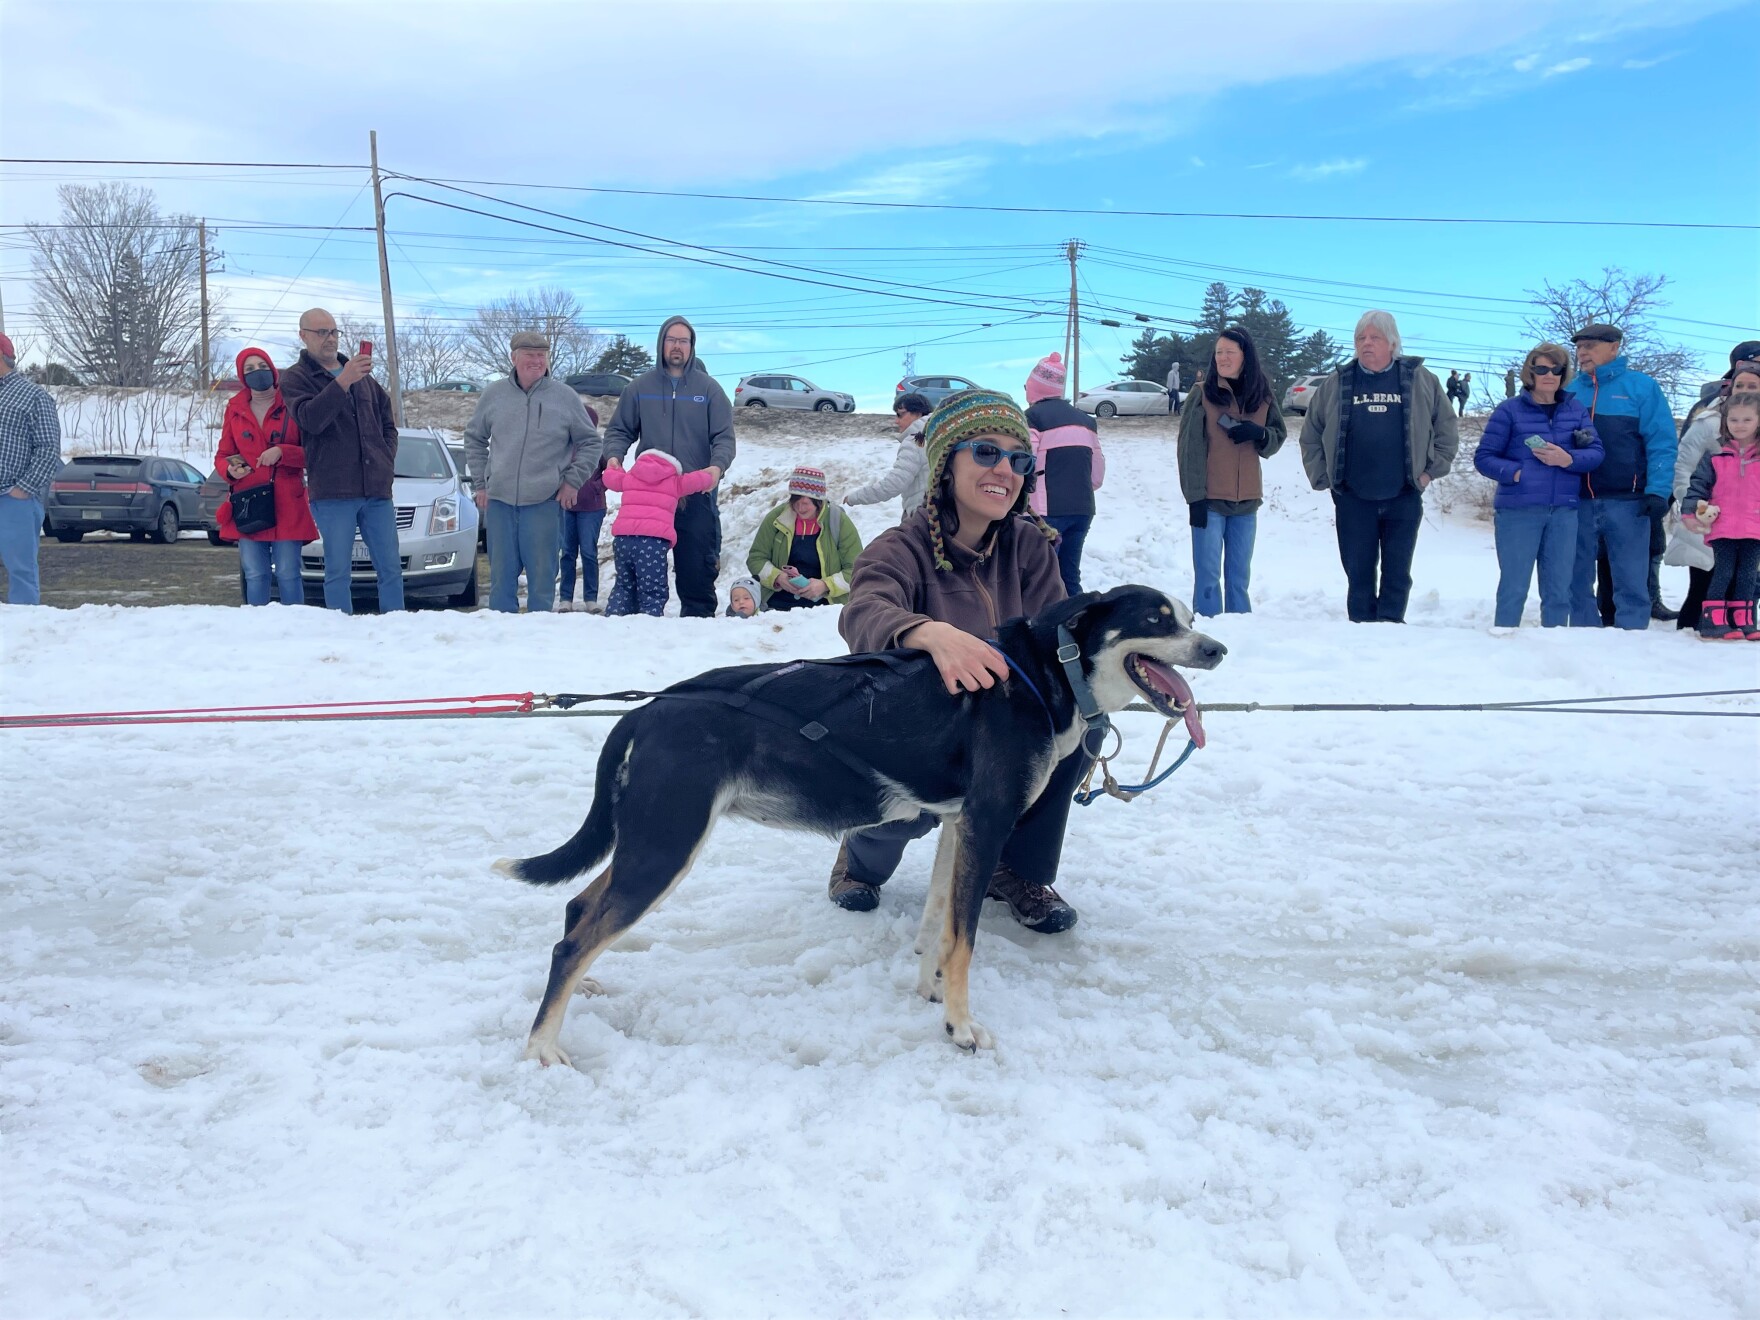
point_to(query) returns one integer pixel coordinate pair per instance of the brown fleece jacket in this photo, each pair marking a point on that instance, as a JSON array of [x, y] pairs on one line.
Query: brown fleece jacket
[[895, 584]]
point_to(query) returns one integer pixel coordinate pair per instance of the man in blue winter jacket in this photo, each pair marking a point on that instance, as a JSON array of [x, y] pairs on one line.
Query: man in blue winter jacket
[[1633, 484]]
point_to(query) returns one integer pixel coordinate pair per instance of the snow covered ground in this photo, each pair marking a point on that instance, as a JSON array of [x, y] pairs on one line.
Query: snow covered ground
[[1367, 1015]]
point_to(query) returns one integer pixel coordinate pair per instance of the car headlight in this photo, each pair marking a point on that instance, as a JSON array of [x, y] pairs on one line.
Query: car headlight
[[445, 516]]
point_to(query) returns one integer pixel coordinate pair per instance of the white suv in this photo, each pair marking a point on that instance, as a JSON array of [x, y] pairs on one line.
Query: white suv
[[775, 391]]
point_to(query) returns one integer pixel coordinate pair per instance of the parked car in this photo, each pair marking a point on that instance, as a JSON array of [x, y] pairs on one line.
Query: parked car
[[789, 392], [1124, 398], [459, 386], [933, 388], [1300, 391], [600, 384], [436, 529], [215, 491], [460, 462], [142, 494]]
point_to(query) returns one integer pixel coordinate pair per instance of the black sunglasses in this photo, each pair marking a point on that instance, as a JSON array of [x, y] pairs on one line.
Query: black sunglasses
[[987, 455], [1547, 369]]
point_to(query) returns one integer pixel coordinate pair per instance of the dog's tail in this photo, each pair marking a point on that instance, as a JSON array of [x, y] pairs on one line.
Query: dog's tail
[[594, 839]]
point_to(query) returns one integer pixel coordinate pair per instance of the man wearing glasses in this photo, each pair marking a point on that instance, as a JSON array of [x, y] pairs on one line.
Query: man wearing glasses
[[345, 423], [678, 409]]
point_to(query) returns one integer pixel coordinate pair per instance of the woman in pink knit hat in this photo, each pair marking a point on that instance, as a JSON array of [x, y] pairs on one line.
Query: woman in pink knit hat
[[1070, 466], [804, 549]]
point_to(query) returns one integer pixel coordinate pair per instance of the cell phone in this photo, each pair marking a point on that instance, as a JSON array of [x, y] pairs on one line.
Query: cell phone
[[366, 348], [799, 581], [1534, 442]]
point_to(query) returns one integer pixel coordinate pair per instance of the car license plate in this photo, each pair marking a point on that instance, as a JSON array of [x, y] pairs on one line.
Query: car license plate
[[91, 513], [359, 555]]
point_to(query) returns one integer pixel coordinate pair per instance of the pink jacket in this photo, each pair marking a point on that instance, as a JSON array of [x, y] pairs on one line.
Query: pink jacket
[[651, 487], [1730, 479]]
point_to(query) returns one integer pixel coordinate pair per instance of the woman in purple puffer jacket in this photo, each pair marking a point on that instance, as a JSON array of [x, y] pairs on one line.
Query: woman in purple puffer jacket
[[1536, 447]]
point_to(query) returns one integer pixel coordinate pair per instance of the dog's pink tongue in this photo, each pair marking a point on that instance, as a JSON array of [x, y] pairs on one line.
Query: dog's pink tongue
[[1172, 682]]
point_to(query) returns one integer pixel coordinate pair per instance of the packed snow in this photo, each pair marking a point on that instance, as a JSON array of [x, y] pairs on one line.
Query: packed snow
[[1366, 1015]]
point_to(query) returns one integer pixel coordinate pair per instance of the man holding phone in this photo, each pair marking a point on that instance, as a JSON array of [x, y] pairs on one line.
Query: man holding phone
[[345, 423]]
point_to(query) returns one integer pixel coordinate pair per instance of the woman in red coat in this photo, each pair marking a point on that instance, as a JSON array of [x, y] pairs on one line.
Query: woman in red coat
[[259, 444]]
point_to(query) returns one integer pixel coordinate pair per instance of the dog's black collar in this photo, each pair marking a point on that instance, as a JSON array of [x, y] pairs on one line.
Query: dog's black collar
[[1069, 655]]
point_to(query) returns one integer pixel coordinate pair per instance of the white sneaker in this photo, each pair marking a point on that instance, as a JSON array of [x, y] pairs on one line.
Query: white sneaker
[[565, 607], [1502, 632], [590, 607]]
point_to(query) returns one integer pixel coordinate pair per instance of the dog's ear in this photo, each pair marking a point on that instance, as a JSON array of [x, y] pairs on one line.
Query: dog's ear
[[1067, 612]]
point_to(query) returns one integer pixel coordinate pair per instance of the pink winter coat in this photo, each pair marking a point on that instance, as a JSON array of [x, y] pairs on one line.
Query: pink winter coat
[[1730, 479], [651, 487]]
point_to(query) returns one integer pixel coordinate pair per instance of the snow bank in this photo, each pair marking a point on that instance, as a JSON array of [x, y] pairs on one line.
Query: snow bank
[[1367, 1015]]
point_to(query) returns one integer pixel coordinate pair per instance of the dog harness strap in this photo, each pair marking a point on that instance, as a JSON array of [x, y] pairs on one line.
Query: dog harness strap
[[812, 731], [1050, 720], [1069, 655]]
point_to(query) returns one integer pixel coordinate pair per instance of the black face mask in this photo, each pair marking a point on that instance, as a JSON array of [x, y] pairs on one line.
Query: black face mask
[[260, 379]]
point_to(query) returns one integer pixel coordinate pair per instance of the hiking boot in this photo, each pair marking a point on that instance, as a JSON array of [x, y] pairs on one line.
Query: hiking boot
[[1037, 907], [847, 892], [1661, 613]]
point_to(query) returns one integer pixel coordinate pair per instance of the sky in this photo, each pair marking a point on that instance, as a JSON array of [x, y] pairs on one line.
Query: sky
[[1452, 110]]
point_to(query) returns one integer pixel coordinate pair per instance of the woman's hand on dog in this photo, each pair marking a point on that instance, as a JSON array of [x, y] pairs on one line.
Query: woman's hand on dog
[[967, 663]]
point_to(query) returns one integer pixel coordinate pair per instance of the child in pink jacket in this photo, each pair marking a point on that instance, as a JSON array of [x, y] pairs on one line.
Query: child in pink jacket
[[1724, 497], [643, 534]]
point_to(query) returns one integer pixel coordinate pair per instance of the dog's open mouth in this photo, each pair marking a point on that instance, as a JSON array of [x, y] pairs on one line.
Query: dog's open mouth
[[1167, 692]]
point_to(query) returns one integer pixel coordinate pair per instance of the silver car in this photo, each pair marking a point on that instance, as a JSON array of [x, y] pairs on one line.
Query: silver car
[[1300, 392], [776, 391], [1125, 398], [436, 530]]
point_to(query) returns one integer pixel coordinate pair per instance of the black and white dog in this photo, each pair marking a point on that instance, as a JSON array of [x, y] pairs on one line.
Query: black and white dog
[[832, 746]]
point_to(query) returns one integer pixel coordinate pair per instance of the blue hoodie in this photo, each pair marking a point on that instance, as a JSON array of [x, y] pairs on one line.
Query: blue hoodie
[[1636, 428]]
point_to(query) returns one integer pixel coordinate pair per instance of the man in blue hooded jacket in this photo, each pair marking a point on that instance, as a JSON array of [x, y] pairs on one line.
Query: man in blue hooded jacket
[[1633, 484]]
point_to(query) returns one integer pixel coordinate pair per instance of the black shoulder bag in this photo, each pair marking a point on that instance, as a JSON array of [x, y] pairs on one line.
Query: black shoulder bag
[[253, 508]]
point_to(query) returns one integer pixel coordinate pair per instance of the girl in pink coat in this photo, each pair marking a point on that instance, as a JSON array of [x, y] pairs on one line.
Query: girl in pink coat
[[1723, 500], [643, 534]]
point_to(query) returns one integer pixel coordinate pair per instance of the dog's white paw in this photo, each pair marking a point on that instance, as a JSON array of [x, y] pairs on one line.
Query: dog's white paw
[[970, 1037], [929, 984], [546, 1052]]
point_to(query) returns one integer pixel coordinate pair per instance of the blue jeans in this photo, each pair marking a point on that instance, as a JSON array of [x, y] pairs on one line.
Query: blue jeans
[[523, 536], [1623, 528], [1072, 534], [21, 527], [377, 520], [1223, 549], [259, 559], [1547, 536], [580, 539]]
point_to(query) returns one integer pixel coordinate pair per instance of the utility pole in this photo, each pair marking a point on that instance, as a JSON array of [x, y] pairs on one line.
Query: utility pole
[[394, 387], [2, 314], [1073, 334], [207, 376]]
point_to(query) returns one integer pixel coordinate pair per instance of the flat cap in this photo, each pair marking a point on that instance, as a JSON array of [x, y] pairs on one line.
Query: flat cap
[[1600, 331], [529, 339]]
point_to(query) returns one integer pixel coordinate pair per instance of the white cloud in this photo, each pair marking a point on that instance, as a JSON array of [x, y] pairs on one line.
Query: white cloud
[[1651, 63], [1197, 162], [1568, 66], [1329, 169], [1526, 64], [909, 181]]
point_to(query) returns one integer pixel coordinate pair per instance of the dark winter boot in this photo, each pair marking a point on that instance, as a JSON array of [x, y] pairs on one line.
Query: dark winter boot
[[1658, 611], [1037, 907], [1717, 623], [1742, 617], [847, 892]]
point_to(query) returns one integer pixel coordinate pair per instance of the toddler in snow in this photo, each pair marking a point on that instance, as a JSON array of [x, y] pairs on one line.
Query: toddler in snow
[[644, 533], [743, 598], [1723, 500]]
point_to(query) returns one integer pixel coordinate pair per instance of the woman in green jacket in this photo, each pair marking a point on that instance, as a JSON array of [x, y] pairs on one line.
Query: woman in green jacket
[[804, 549]]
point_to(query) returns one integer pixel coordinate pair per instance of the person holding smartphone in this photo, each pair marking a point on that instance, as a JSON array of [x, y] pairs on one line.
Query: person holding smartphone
[[350, 438], [943, 582]]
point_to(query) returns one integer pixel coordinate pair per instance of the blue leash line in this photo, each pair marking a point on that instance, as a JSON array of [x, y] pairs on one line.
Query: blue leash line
[[1115, 788]]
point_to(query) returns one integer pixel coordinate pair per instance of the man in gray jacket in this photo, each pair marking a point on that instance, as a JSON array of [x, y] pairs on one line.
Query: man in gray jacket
[[530, 447], [678, 409], [1378, 431]]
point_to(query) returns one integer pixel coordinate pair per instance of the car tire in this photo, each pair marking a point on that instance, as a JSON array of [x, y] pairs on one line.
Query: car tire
[[1106, 408], [466, 599], [67, 536], [756, 403], [214, 537], [165, 530], [136, 534], [825, 405]]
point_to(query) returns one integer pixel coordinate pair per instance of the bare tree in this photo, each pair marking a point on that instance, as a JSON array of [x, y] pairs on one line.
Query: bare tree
[[350, 332], [118, 285], [428, 352], [1616, 298], [554, 313]]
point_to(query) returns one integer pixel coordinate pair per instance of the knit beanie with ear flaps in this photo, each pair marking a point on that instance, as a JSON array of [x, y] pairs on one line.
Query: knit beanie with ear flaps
[[960, 417]]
